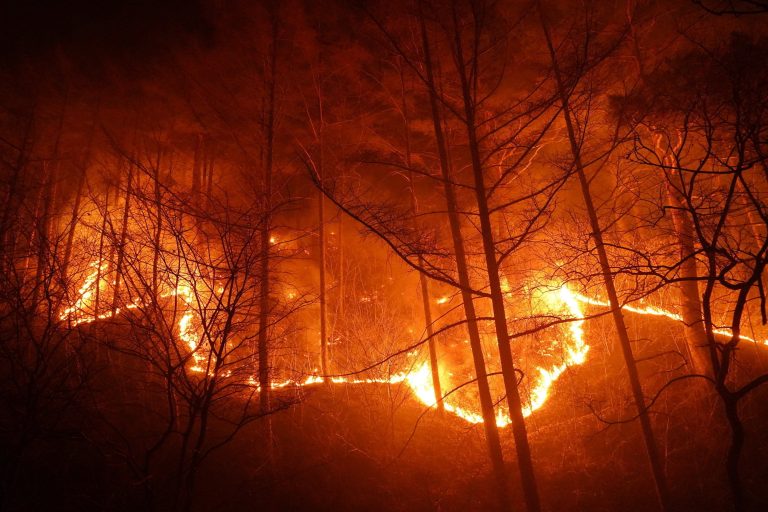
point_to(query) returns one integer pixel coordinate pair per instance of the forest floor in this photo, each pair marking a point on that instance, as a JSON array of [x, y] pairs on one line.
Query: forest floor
[[373, 447]]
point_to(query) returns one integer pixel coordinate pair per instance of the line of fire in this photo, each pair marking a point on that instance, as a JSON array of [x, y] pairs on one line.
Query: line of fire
[[450, 255]]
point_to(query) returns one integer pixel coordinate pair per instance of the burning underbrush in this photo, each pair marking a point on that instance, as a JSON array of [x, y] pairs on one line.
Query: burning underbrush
[[170, 405], [373, 448], [347, 446]]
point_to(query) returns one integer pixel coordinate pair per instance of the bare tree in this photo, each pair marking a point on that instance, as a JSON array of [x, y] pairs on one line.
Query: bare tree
[[715, 130]]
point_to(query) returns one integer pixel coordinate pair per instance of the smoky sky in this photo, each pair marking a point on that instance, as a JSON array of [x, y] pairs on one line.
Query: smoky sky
[[88, 32]]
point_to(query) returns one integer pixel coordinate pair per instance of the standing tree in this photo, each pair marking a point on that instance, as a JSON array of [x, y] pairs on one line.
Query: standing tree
[[712, 122]]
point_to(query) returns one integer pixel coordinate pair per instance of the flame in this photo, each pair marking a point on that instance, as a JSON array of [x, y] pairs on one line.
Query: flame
[[418, 378], [575, 351], [562, 301], [77, 311], [657, 311]]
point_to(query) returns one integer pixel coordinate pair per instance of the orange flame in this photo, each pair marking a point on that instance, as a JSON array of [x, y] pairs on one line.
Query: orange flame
[[560, 300], [418, 378]]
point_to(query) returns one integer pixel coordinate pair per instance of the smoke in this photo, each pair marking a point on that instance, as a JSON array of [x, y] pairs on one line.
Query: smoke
[[92, 35]]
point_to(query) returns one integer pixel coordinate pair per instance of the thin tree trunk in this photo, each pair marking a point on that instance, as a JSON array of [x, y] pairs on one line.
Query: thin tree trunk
[[208, 165], [323, 305], [71, 227], [43, 220], [340, 280], [720, 357], [264, 303], [123, 239], [519, 431], [11, 205], [424, 285], [734, 451], [43, 228], [486, 403], [158, 228], [32, 235], [621, 328], [196, 168], [322, 242], [100, 261]]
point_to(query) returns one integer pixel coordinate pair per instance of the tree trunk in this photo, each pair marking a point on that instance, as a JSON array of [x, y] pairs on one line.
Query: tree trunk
[[43, 228], [323, 301], [486, 403], [72, 225], [690, 301], [322, 242], [100, 261], [424, 285], [688, 288], [11, 199], [524, 459], [196, 168], [734, 451], [123, 239], [208, 160], [264, 303], [621, 328], [43, 220], [76, 206], [158, 228], [340, 279]]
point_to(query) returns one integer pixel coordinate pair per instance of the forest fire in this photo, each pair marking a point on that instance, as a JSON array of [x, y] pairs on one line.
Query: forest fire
[[473, 255], [418, 379], [558, 300]]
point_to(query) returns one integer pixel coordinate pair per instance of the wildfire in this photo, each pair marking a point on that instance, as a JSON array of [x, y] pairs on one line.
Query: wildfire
[[76, 313], [417, 378], [575, 351], [560, 300], [657, 311]]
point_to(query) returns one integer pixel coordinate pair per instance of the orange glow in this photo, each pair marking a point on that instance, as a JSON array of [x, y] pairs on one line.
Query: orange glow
[[657, 311], [561, 301]]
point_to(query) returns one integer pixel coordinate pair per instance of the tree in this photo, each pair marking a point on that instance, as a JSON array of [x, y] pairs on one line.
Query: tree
[[597, 234], [716, 132]]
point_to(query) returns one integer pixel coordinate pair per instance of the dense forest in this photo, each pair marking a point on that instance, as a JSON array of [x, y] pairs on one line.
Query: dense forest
[[384, 255]]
